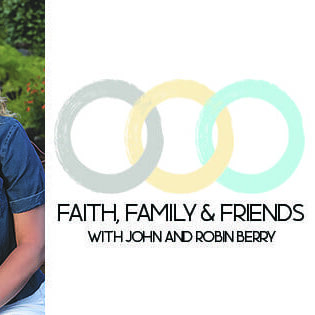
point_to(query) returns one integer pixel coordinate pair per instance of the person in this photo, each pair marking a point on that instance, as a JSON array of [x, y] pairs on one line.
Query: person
[[22, 231]]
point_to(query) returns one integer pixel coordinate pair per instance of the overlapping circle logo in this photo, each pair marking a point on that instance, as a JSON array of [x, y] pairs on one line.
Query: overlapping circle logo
[[145, 160]]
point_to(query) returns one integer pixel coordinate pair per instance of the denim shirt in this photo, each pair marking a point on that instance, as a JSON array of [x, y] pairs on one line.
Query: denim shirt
[[21, 189]]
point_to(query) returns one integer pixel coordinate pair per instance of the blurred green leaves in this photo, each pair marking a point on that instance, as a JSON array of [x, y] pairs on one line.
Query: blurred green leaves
[[22, 24], [22, 79]]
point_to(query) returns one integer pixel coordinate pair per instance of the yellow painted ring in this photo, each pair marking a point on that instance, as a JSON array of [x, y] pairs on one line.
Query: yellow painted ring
[[209, 172]]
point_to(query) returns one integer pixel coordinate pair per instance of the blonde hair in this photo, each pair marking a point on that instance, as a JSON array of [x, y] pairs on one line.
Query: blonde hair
[[3, 107]]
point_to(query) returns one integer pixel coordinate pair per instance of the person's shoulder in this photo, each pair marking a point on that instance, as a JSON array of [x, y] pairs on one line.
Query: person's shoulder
[[8, 125], [6, 121]]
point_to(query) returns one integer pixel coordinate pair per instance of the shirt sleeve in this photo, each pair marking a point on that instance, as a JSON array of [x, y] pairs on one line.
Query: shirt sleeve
[[22, 171]]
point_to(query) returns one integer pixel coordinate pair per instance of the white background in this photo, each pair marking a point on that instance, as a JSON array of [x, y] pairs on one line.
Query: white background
[[146, 43]]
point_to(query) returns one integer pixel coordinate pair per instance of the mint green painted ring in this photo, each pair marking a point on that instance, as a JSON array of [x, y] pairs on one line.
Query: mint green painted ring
[[283, 169]]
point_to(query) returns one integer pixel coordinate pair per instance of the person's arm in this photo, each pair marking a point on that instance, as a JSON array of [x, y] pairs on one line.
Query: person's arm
[[24, 184], [28, 255]]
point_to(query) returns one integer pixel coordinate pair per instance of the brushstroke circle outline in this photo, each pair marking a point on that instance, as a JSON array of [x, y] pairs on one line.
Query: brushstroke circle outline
[[283, 169], [95, 181], [210, 171]]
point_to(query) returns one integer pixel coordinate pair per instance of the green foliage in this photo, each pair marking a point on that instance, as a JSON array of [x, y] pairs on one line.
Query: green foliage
[[23, 82], [23, 22]]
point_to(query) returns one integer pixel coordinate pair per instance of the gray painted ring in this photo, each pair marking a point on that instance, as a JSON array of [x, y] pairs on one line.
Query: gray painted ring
[[99, 182]]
